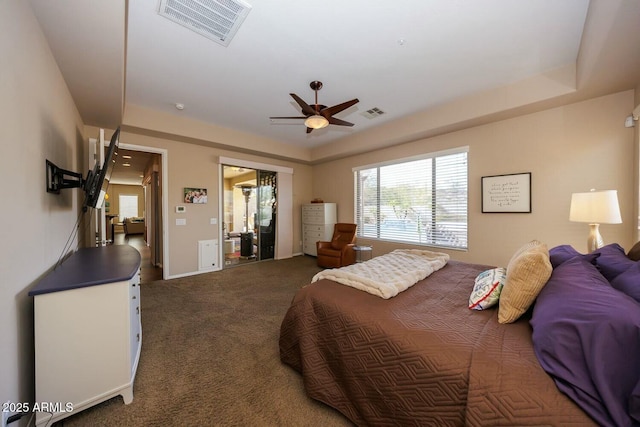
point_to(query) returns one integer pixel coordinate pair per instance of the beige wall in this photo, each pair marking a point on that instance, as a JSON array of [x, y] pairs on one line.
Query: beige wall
[[567, 149], [39, 121], [193, 165]]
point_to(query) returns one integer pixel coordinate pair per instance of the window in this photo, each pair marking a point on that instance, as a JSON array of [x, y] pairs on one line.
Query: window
[[420, 200], [128, 206]]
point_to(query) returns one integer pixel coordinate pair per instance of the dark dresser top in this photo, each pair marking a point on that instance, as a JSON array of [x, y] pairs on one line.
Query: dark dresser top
[[91, 267]]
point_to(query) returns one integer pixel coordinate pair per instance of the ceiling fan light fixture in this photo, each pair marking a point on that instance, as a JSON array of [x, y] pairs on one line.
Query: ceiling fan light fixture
[[316, 122]]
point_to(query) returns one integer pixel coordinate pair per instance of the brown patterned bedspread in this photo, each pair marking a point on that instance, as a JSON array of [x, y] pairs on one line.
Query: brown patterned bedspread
[[420, 358]]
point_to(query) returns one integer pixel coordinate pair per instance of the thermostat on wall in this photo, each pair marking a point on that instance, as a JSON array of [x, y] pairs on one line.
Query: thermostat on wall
[[181, 209]]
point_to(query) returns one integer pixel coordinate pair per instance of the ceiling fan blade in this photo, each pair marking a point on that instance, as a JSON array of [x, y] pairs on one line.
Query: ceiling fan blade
[[309, 130], [334, 121], [306, 108], [296, 117], [330, 111]]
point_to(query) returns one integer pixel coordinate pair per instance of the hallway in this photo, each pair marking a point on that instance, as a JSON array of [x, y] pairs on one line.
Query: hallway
[[148, 272]]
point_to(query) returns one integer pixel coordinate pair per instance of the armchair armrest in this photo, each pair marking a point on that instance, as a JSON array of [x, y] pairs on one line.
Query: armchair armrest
[[348, 254], [320, 245]]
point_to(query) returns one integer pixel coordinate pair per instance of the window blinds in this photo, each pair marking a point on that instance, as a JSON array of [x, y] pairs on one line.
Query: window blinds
[[419, 200]]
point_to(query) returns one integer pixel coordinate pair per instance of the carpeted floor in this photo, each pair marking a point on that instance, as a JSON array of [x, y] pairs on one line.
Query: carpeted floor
[[210, 354]]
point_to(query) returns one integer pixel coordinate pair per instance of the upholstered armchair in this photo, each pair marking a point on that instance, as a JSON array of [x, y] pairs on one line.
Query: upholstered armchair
[[339, 251]]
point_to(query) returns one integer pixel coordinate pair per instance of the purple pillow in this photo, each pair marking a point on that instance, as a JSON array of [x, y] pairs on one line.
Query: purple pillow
[[585, 335], [629, 281], [612, 261], [560, 254]]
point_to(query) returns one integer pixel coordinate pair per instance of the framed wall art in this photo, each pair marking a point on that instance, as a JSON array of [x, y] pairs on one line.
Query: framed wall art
[[506, 193], [195, 195]]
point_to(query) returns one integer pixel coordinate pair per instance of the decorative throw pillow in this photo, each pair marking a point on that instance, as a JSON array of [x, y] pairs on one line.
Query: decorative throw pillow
[[612, 261], [487, 288], [634, 252], [527, 273]]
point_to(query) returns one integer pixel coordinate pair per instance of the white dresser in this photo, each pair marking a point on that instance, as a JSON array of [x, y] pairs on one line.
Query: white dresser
[[318, 220], [88, 331]]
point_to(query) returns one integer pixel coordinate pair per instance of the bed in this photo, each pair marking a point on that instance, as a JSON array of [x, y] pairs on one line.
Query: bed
[[423, 357]]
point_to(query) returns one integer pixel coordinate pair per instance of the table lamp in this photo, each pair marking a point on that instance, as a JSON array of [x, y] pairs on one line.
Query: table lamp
[[595, 208]]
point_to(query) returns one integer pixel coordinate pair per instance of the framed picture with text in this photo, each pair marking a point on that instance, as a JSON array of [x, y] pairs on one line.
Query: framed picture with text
[[506, 193]]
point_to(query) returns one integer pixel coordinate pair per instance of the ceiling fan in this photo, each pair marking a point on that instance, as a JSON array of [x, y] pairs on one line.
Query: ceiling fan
[[318, 116]]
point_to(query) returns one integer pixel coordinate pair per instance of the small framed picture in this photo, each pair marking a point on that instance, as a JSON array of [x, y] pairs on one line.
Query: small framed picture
[[506, 193], [195, 195]]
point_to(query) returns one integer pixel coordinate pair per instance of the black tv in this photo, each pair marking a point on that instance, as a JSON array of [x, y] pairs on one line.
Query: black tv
[[95, 185]]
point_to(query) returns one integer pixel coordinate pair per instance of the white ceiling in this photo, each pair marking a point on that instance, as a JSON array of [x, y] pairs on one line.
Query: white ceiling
[[404, 57], [451, 49]]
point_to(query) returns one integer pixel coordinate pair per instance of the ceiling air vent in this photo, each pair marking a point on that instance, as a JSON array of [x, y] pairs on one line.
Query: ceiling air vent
[[217, 20], [372, 113]]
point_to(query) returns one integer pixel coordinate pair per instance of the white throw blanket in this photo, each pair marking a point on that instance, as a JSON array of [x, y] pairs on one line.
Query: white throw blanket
[[389, 274]]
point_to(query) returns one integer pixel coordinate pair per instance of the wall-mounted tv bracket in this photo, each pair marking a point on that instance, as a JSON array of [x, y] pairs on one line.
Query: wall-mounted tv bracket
[[58, 178]]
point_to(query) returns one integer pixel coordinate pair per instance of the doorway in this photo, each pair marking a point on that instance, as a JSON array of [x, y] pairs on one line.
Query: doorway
[[142, 179], [249, 214]]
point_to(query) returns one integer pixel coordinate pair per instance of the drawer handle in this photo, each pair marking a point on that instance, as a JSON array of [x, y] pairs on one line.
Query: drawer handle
[[138, 310], [133, 297]]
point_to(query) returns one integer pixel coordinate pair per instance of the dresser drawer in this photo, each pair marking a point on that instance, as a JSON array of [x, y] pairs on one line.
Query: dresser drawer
[[309, 248], [319, 213], [313, 229], [312, 217]]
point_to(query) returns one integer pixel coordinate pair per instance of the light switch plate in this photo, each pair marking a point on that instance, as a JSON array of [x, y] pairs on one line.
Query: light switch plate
[[181, 221], [213, 221]]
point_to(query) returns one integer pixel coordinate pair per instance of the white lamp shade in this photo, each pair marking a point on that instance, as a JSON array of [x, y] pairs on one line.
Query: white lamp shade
[[316, 122], [595, 207]]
